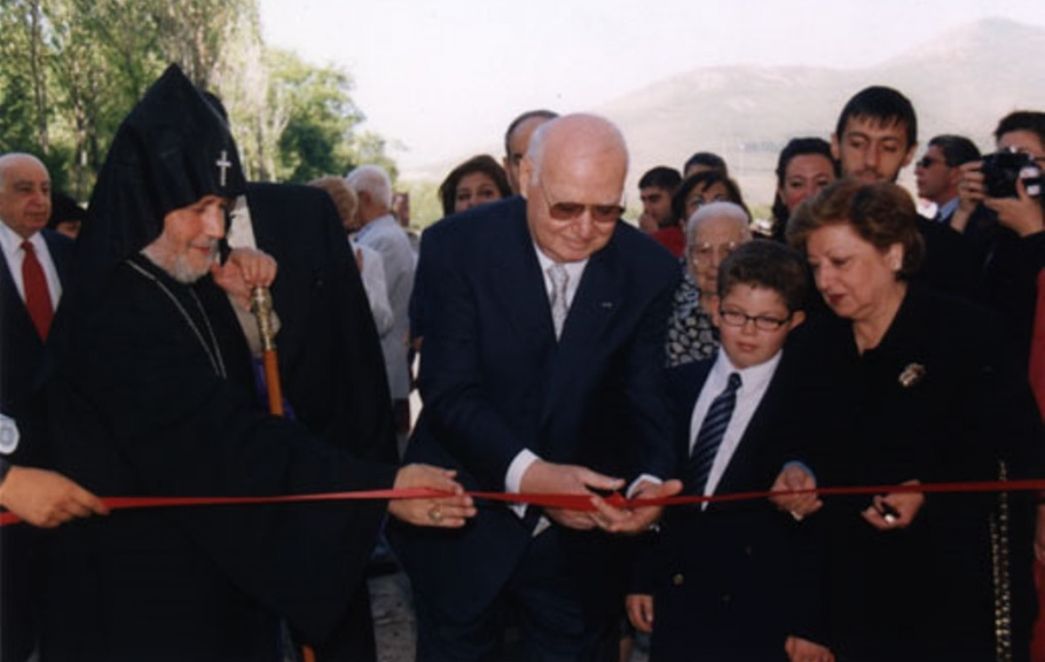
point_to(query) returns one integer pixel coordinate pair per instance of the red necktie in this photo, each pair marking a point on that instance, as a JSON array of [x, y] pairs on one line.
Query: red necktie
[[37, 296]]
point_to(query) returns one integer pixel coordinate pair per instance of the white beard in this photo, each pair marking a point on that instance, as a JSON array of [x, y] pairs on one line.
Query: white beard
[[177, 266]]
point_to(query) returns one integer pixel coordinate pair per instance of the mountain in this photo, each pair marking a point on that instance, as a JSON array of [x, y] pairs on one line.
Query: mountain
[[961, 81]]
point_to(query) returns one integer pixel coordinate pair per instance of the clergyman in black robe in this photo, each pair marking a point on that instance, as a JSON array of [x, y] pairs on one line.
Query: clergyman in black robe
[[155, 396]]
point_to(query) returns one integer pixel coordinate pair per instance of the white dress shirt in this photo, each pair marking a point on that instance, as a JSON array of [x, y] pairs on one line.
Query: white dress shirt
[[11, 243], [526, 457], [753, 384]]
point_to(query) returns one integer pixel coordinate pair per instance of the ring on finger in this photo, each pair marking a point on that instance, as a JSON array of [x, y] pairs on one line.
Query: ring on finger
[[435, 514]]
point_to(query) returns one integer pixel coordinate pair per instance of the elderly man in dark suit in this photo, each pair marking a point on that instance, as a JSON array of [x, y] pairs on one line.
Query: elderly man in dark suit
[[33, 263], [541, 373]]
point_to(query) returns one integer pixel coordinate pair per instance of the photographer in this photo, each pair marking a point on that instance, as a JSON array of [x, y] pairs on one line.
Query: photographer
[[1024, 132], [1000, 212]]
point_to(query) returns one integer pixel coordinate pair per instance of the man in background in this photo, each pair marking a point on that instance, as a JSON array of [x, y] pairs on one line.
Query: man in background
[[517, 139], [381, 232], [656, 188], [938, 173]]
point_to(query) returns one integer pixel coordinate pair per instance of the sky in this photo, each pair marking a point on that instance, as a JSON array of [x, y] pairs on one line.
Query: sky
[[443, 78]]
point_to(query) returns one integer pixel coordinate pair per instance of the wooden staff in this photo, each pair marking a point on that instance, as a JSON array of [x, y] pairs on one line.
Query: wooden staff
[[261, 306]]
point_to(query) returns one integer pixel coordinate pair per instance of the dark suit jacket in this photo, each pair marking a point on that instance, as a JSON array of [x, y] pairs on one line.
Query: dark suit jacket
[[733, 580], [22, 362], [494, 381], [21, 350]]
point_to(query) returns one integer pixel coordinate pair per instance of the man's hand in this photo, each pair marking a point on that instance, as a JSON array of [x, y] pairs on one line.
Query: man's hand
[[637, 520], [794, 477], [1022, 214], [894, 511], [640, 611], [803, 650], [448, 512], [971, 192], [548, 478], [45, 498], [244, 270]]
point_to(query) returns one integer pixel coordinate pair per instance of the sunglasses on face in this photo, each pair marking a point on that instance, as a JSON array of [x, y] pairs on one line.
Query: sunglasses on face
[[928, 161], [568, 211]]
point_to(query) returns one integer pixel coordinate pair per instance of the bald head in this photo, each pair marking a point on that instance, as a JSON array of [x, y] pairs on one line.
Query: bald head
[[574, 138], [572, 179], [25, 193]]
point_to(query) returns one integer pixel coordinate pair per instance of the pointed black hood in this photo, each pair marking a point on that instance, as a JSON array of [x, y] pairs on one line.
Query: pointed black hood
[[170, 151]]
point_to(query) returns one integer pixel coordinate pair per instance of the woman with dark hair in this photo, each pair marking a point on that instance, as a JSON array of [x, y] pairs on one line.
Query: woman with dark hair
[[478, 180], [804, 168], [702, 188], [924, 395]]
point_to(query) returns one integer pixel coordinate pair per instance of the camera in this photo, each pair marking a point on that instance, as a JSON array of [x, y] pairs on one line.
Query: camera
[[1001, 170]]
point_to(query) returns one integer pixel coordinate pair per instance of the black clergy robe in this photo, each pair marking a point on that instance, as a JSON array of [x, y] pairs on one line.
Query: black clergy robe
[[330, 356], [141, 408], [329, 352]]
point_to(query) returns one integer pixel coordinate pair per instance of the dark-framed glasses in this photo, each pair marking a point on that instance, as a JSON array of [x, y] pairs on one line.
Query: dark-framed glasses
[[568, 211], [762, 322], [927, 162]]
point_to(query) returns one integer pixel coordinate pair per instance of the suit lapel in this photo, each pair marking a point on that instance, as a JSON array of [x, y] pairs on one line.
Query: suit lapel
[[13, 306], [519, 285], [686, 382]]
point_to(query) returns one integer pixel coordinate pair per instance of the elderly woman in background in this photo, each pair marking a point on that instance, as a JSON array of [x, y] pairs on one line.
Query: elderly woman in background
[[805, 166], [371, 267], [477, 181], [712, 232], [923, 395]]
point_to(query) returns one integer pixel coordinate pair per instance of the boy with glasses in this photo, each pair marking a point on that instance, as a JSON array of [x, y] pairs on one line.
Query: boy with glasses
[[736, 580]]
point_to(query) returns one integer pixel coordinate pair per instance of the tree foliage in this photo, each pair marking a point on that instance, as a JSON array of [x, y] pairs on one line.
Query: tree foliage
[[74, 68]]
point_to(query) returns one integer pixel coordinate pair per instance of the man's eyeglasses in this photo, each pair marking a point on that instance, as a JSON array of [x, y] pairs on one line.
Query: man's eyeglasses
[[567, 211], [762, 322]]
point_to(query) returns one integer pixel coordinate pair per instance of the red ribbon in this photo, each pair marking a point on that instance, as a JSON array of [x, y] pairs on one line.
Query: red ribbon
[[565, 501]]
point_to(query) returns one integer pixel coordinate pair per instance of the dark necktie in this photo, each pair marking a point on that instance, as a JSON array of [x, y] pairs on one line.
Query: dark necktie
[[37, 296], [710, 436]]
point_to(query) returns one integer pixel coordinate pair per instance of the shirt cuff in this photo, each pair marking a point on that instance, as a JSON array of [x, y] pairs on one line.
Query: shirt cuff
[[649, 478], [513, 479]]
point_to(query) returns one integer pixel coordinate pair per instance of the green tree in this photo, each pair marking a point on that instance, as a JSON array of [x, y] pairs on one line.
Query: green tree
[[74, 68], [317, 138]]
